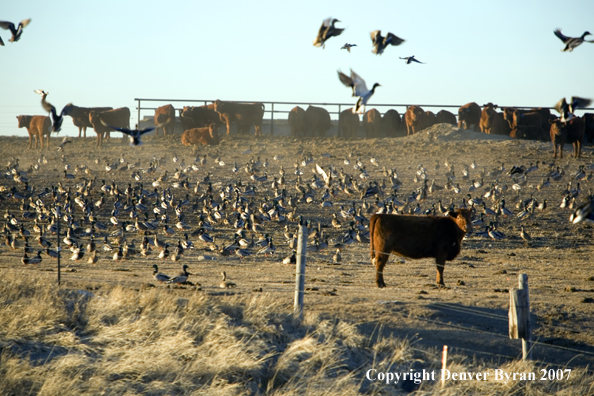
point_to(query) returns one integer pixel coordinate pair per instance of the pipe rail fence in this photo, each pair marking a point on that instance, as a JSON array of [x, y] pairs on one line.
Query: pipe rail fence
[[335, 108]]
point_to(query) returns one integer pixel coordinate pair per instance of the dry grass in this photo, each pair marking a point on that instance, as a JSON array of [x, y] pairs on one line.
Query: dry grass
[[178, 342]]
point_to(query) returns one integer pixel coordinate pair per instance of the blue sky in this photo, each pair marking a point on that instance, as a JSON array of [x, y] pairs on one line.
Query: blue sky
[[108, 53]]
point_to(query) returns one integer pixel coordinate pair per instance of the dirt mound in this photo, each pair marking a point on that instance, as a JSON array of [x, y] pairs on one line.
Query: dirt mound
[[448, 133]]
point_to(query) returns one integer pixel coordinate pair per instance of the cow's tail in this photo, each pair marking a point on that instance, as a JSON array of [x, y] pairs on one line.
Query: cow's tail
[[372, 222]]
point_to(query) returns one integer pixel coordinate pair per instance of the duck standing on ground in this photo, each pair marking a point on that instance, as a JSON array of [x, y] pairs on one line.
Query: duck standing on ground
[[158, 276], [182, 277], [225, 284]]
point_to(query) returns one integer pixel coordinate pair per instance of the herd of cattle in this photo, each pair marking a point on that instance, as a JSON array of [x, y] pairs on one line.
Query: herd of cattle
[[201, 123]]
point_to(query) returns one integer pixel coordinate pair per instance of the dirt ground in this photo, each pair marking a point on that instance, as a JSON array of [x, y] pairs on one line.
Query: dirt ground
[[469, 315]]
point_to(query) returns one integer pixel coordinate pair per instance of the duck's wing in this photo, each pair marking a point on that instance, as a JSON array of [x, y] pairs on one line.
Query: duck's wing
[[579, 103], [360, 86], [561, 36], [561, 106], [414, 60], [376, 37], [346, 80], [24, 23], [8, 26], [393, 40], [123, 130], [1, 42], [319, 40]]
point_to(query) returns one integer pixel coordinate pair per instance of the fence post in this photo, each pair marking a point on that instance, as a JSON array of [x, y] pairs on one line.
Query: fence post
[[519, 316], [300, 270], [138, 119], [58, 215], [272, 119]]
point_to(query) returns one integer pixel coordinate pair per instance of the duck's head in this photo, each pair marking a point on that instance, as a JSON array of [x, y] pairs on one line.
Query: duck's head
[[375, 85]]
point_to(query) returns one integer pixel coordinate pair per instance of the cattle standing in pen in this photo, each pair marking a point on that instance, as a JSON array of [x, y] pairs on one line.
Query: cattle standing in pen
[[417, 237]]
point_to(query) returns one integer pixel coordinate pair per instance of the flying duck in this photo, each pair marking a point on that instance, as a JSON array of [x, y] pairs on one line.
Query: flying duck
[[410, 59], [16, 32], [326, 31], [359, 89], [567, 110], [134, 134], [348, 46], [380, 42], [57, 119], [571, 42]]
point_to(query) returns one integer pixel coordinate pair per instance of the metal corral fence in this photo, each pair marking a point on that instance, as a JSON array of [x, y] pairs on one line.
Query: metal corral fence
[[274, 109]]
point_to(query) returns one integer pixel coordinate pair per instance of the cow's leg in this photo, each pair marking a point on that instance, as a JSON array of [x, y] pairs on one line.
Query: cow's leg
[[228, 124], [440, 261], [380, 261], [576, 149], [79, 132], [85, 132]]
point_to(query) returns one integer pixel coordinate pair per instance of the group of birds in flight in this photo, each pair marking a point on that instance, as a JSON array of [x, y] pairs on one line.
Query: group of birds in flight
[[380, 43]]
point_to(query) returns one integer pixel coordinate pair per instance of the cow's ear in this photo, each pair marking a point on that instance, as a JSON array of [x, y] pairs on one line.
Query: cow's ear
[[453, 214]]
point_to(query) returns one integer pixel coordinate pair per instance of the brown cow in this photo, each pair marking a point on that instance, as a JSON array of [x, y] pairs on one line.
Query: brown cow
[[529, 132], [417, 237], [206, 136], [414, 119], [37, 126], [469, 116], [243, 114], [318, 121], [571, 131], [393, 124], [162, 114], [297, 122], [492, 122], [80, 117], [199, 116], [445, 117], [430, 119], [348, 123], [372, 121], [116, 117]]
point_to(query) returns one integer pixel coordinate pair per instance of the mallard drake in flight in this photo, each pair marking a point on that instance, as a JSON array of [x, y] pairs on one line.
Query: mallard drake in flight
[[16, 32], [359, 89], [567, 110], [348, 46], [410, 59], [572, 42], [134, 134], [380, 42], [326, 31]]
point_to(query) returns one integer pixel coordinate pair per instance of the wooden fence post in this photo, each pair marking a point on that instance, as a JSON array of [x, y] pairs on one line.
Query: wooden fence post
[[58, 215], [519, 316], [300, 271]]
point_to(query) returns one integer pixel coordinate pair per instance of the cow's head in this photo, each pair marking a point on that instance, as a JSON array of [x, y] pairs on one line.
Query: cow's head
[[557, 126], [217, 105], [24, 120], [462, 217]]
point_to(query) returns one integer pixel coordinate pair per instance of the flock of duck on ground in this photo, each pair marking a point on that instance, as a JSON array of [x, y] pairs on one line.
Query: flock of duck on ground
[[263, 208]]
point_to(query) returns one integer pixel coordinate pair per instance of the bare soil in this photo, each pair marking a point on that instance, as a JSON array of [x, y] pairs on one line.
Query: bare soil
[[469, 315]]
